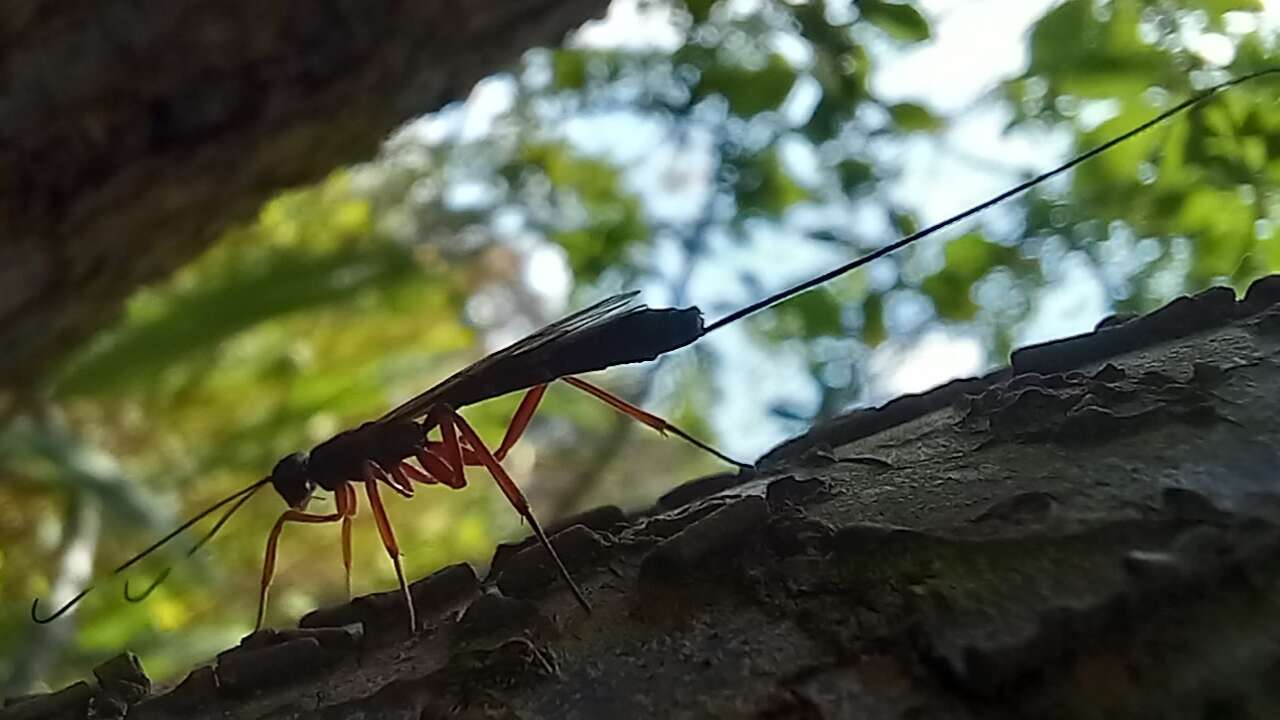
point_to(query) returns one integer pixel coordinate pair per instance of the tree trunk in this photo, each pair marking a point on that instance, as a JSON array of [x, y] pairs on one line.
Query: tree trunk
[[1089, 533], [133, 132]]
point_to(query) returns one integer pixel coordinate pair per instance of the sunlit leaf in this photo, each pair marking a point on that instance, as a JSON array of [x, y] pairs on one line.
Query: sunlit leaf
[[764, 185], [951, 296], [1091, 58], [809, 315], [749, 91], [1218, 7], [968, 258], [570, 69], [874, 331], [1222, 224], [914, 118], [903, 223], [901, 21], [1119, 164]]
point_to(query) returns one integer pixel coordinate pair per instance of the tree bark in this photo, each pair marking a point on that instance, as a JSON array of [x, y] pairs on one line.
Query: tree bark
[[1088, 533], [133, 132]]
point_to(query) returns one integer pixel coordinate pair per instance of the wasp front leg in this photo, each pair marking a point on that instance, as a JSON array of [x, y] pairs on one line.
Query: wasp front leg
[[273, 541]]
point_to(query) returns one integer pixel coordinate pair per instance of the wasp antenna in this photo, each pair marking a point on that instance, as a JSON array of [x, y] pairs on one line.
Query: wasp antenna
[[241, 495], [164, 574], [35, 608]]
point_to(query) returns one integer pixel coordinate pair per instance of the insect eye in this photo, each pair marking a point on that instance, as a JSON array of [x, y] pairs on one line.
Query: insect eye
[[292, 481]]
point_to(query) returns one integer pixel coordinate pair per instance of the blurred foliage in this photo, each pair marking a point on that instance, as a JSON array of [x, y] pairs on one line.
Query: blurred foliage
[[758, 134], [1195, 200]]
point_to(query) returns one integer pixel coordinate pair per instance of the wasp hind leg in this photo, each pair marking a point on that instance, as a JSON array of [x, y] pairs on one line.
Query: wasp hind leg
[[388, 536], [662, 426], [510, 490]]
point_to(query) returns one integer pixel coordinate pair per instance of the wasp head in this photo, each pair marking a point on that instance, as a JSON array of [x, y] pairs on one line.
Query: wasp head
[[292, 481]]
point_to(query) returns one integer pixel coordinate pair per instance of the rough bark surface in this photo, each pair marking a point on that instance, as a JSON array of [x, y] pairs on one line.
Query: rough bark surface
[[1089, 533], [132, 132]]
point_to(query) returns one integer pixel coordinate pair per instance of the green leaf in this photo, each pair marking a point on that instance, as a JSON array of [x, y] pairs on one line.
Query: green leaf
[[903, 223], [903, 22], [765, 187], [1120, 164], [1219, 7], [1221, 223], [972, 256], [817, 28], [854, 174], [700, 10], [874, 331], [968, 258], [809, 315], [1267, 253], [1173, 154], [914, 118], [1087, 57], [951, 296], [1253, 152], [748, 91], [569, 68]]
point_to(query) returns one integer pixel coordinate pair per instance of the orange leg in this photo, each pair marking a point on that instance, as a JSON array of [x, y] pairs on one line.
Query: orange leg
[[273, 540], [449, 449], [469, 456], [437, 469], [520, 420], [374, 470], [514, 496], [407, 475], [397, 480], [388, 539], [653, 421], [345, 497]]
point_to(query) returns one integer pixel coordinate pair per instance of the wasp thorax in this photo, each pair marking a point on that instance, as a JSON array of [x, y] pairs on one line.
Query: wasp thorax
[[291, 480]]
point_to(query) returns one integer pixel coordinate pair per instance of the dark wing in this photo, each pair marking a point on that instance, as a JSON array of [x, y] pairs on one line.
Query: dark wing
[[601, 312]]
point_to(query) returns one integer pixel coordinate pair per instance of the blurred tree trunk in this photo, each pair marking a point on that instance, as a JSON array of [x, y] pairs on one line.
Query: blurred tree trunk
[[133, 133], [1089, 533]]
